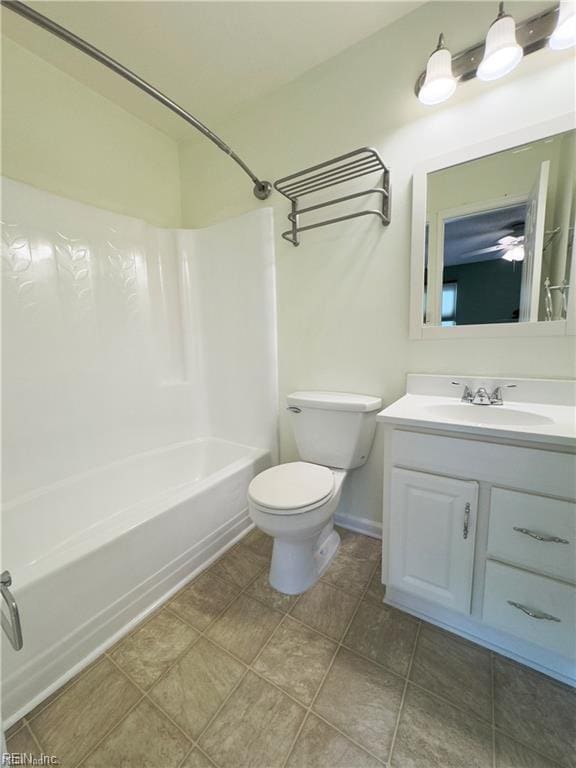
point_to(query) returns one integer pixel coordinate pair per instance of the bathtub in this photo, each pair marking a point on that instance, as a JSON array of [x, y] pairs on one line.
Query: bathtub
[[91, 555]]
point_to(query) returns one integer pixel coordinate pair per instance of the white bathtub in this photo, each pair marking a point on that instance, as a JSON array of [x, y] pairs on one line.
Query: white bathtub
[[91, 555]]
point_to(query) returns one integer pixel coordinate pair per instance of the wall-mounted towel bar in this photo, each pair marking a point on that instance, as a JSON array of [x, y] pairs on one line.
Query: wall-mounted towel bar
[[340, 169]]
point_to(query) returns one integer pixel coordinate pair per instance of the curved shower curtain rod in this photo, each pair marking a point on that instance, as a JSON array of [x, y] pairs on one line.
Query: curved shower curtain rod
[[262, 189]]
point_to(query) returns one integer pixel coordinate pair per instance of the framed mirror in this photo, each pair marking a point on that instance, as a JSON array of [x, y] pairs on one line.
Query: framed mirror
[[493, 237]]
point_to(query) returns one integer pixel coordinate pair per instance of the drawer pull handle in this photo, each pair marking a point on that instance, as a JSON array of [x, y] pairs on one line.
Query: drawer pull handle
[[534, 614], [541, 536], [466, 521]]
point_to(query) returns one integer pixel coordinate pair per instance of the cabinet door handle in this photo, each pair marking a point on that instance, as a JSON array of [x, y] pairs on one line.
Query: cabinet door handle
[[533, 613], [466, 521], [541, 536]]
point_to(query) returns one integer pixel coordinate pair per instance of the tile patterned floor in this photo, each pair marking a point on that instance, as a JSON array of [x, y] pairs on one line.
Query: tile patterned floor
[[231, 674]]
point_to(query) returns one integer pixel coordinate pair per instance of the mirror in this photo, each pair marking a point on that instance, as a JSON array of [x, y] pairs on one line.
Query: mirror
[[499, 235]]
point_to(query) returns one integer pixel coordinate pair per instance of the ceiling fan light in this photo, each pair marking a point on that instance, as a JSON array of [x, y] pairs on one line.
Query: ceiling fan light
[[502, 53], [439, 83], [564, 36], [514, 254]]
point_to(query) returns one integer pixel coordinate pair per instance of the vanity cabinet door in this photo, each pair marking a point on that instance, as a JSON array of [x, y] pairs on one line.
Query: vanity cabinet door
[[432, 532]]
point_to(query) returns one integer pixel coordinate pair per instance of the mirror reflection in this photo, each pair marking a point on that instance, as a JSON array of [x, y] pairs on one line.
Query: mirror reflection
[[499, 236]]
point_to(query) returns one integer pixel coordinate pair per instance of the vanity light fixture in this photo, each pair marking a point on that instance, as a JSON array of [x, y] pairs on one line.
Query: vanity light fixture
[[439, 83], [564, 36], [502, 53]]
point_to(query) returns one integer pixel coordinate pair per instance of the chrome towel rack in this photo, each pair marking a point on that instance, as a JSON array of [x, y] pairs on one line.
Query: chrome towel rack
[[340, 169]]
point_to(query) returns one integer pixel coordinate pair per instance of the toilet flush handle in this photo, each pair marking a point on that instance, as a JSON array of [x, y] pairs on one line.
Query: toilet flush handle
[[294, 409]]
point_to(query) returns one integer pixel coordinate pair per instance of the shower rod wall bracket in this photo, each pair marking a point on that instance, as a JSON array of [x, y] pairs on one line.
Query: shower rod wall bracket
[[262, 189], [343, 168]]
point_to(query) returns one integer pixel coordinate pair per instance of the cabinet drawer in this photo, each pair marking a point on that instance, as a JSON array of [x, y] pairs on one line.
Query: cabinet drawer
[[529, 469], [534, 531], [552, 603]]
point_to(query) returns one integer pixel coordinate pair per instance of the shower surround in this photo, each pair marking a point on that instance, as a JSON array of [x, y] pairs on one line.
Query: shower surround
[[139, 398]]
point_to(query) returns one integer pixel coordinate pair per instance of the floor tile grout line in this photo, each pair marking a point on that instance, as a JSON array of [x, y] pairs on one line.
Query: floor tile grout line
[[403, 698], [530, 748], [199, 633], [217, 712], [21, 722], [64, 688], [323, 680], [108, 732], [468, 712], [268, 641], [347, 736], [146, 695], [35, 738], [186, 756], [163, 674]]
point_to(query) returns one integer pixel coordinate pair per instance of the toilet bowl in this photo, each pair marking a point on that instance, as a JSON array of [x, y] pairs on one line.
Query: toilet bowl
[[295, 502]]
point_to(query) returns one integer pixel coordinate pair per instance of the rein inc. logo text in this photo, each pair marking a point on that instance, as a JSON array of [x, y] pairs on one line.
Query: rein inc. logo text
[[27, 758]]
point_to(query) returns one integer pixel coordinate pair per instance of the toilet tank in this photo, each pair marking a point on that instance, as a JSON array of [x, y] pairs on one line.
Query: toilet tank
[[335, 429]]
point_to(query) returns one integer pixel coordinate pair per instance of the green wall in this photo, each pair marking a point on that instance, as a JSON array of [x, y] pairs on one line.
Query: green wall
[[487, 291], [59, 135]]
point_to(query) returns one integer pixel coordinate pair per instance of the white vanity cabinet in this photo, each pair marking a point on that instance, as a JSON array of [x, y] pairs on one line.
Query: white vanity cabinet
[[433, 522], [479, 535]]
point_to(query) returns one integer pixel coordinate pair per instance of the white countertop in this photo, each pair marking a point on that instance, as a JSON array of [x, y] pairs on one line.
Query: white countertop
[[433, 402]]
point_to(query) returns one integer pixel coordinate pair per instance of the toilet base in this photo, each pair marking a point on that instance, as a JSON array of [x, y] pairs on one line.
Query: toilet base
[[298, 564]]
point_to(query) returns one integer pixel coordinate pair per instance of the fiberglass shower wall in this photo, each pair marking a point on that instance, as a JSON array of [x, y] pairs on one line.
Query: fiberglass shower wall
[[119, 337]]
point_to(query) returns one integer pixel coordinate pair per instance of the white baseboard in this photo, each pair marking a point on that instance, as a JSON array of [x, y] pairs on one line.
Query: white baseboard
[[360, 525]]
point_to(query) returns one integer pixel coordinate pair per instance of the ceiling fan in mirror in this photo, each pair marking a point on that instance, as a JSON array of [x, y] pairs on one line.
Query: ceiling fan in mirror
[[510, 245]]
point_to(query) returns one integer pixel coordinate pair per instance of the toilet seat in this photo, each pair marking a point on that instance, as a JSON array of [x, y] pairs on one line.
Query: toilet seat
[[292, 488]]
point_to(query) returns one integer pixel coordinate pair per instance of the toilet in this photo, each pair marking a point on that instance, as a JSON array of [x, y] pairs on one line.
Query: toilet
[[295, 502]]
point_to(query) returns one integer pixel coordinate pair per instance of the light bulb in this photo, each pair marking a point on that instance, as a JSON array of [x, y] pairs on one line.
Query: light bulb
[[439, 83], [514, 254], [502, 53], [564, 36]]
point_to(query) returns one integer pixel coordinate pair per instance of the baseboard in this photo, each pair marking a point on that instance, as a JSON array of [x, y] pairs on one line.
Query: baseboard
[[360, 525]]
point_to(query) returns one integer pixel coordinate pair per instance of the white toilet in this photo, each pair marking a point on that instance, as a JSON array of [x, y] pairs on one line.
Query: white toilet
[[295, 503]]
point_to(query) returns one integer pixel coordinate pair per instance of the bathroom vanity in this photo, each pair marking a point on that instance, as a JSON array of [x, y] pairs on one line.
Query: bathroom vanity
[[480, 514]]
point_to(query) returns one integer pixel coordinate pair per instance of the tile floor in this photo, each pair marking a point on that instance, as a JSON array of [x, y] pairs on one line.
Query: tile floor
[[231, 674]]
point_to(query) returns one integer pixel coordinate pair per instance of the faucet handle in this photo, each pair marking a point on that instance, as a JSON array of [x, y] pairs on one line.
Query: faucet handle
[[467, 395], [496, 396]]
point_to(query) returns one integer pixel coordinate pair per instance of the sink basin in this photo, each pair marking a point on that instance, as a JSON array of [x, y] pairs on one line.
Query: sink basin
[[486, 414], [541, 411]]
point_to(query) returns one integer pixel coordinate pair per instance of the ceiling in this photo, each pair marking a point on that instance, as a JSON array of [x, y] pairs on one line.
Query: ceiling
[[210, 57], [471, 238]]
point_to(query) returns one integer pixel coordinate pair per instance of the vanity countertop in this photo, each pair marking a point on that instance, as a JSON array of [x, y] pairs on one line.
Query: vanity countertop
[[536, 410]]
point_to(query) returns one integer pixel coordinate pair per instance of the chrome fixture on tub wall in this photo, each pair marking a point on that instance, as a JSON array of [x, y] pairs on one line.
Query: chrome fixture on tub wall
[[505, 45]]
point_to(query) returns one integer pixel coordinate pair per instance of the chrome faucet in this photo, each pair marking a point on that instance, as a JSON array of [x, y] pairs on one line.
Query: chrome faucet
[[481, 396], [496, 396]]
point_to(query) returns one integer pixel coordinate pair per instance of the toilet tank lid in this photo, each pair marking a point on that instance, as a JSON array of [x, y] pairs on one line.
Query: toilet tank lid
[[335, 401]]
